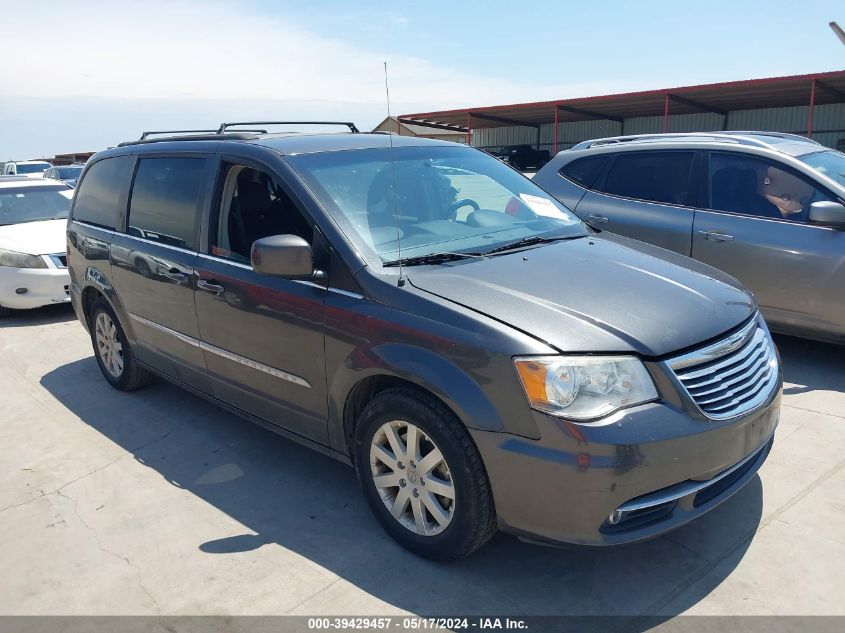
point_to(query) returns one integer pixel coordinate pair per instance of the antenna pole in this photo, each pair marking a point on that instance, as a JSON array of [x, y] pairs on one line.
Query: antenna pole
[[401, 281]]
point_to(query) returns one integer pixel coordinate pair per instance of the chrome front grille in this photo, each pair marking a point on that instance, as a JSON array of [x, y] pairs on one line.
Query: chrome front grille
[[733, 376]]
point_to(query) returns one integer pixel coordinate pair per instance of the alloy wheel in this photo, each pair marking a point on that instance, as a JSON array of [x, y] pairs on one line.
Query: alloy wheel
[[109, 347], [412, 478]]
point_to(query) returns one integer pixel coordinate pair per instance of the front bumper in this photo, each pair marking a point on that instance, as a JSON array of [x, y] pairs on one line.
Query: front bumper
[[44, 286], [657, 463]]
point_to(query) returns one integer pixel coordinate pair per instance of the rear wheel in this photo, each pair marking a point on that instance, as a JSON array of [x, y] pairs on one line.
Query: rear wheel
[[422, 475], [112, 350]]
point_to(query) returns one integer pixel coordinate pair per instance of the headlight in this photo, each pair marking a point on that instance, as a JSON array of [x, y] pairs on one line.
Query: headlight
[[20, 260], [584, 387]]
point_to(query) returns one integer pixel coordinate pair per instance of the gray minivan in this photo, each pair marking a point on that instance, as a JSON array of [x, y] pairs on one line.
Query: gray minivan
[[766, 207], [422, 311]]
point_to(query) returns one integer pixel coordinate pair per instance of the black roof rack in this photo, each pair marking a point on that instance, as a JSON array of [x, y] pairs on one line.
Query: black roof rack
[[148, 133], [349, 124]]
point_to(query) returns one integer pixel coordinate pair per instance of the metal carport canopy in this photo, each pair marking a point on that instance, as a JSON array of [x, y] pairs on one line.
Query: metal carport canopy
[[794, 90]]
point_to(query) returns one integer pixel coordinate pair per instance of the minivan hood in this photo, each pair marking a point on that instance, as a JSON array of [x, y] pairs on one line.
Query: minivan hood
[[597, 294], [35, 238]]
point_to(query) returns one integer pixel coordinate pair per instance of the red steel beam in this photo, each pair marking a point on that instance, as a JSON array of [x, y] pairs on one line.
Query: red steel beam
[[812, 107], [469, 128]]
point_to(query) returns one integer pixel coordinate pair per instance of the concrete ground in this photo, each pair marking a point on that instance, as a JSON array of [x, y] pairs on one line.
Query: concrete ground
[[158, 503]]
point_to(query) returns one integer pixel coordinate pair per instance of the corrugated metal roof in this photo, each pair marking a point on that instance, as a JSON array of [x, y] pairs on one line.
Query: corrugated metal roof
[[716, 98]]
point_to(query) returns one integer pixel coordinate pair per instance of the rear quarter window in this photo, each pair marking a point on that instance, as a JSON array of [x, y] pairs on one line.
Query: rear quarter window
[[584, 171], [99, 195]]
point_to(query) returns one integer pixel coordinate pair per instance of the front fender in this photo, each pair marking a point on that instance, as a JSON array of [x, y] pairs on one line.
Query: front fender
[[422, 367]]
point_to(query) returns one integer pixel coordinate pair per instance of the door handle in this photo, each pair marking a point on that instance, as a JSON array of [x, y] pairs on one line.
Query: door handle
[[715, 236], [210, 286], [598, 219], [174, 274]]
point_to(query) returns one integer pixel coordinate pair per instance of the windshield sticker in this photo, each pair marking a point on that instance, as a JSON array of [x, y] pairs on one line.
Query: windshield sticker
[[543, 206]]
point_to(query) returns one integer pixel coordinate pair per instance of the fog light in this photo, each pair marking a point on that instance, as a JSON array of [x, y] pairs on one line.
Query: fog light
[[615, 517], [21, 291]]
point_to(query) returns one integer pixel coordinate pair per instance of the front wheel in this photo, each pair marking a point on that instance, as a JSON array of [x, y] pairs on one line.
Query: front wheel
[[112, 350], [422, 475]]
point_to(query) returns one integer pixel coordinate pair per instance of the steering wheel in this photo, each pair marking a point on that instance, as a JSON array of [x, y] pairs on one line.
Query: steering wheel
[[466, 202]]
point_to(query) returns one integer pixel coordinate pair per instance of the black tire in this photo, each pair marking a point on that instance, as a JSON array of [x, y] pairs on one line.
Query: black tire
[[473, 522], [133, 375], [4, 312]]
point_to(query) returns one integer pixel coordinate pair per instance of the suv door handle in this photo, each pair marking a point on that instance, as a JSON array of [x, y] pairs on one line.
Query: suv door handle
[[716, 236], [210, 286], [174, 274], [598, 219]]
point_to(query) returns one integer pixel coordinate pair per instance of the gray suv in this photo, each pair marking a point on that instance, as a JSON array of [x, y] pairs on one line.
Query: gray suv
[[765, 207], [420, 310]]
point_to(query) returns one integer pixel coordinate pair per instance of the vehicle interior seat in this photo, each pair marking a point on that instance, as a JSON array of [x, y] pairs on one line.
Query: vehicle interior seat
[[736, 189], [259, 209]]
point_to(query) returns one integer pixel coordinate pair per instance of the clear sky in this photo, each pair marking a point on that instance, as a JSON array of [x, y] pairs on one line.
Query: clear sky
[[80, 75]]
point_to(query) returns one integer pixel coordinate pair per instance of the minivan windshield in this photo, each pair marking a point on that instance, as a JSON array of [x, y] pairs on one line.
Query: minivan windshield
[[31, 204], [830, 163], [424, 201]]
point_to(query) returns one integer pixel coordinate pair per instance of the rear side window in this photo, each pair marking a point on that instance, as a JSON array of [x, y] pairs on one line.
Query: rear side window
[[99, 194], [584, 171], [653, 176], [166, 200]]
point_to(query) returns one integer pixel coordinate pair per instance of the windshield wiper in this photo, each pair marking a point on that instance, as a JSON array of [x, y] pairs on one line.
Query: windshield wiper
[[529, 241], [433, 258]]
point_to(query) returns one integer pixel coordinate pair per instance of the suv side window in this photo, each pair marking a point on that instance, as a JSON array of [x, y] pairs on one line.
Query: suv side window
[[252, 206], [665, 177], [585, 171], [99, 193], [753, 186], [166, 200]]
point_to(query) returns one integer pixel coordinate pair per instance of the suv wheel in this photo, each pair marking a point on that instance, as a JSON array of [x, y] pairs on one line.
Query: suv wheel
[[112, 351], [4, 312], [422, 475]]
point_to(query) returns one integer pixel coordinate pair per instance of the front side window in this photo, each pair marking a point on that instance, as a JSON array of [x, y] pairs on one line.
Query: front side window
[[665, 177], [166, 199], [424, 201], [32, 204], [753, 186], [98, 198], [253, 206]]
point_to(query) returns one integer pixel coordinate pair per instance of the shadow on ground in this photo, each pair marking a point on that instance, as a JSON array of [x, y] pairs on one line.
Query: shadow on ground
[[811, 366], [292, 497], [39, 316]]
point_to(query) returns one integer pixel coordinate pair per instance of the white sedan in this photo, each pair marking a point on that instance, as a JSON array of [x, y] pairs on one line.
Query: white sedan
[[33, 263]]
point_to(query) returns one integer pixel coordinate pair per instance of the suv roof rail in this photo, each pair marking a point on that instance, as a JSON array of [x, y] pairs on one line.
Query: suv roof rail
[[731, 136], [224, 126], [784, 135]]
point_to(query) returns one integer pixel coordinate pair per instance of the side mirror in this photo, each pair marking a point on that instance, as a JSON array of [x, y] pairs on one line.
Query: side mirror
[[283, 256], [827, 213]]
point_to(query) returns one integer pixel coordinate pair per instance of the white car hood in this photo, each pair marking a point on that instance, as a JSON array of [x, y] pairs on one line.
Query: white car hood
[[35, 238]]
